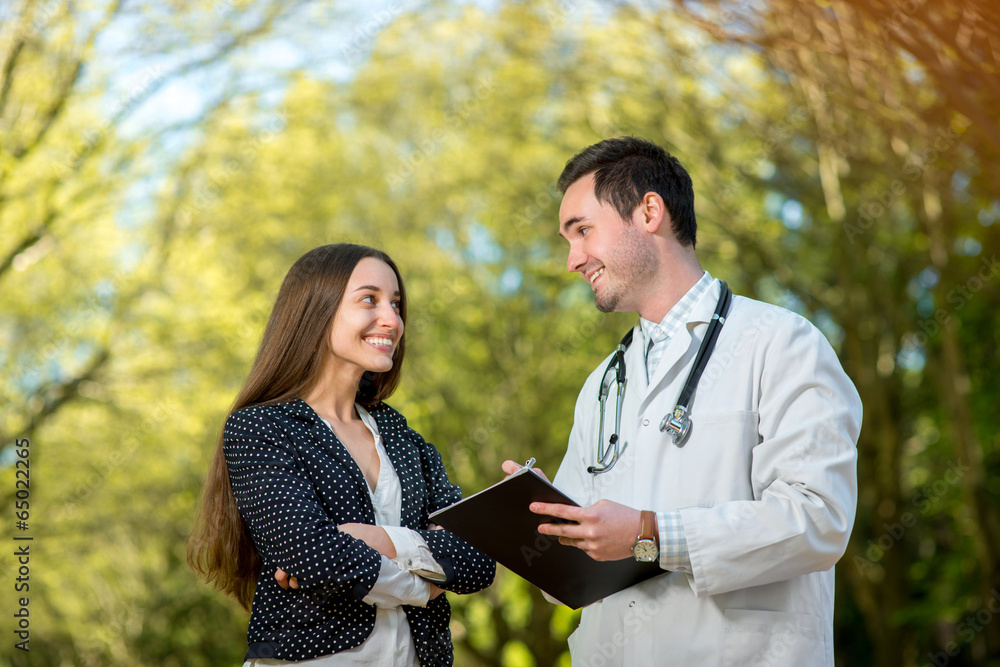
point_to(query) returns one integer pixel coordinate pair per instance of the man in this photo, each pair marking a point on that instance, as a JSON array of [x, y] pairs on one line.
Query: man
[[748, 513]]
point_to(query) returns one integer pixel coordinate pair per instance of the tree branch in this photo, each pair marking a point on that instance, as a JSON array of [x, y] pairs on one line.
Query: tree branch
[[59, 394], [69, 83], [11, 62]]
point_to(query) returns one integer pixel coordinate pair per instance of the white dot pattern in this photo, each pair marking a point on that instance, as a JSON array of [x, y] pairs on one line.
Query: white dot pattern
[[294, 483]]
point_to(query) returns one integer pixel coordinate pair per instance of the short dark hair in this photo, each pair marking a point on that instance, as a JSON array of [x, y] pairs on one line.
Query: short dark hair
[[625, 169]]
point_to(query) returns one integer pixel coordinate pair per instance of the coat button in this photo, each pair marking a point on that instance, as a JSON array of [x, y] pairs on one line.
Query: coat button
[[645, 422]]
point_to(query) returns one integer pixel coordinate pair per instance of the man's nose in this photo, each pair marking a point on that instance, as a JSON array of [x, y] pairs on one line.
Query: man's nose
[[576, 259]]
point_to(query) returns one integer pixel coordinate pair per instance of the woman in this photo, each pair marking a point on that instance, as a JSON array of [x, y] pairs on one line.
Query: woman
[[315, 476]]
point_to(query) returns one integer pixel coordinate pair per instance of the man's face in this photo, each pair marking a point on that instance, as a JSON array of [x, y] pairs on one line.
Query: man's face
[[611, 254]]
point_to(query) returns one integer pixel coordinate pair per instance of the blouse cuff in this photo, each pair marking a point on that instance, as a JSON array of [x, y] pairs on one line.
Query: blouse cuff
[[413, 554], [674, 554], [397, 587]]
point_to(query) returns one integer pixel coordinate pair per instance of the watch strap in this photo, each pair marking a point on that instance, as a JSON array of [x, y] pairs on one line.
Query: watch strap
[[646, 522]]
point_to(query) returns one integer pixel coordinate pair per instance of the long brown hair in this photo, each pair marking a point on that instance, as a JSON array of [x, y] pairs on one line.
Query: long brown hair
[[287, 366]]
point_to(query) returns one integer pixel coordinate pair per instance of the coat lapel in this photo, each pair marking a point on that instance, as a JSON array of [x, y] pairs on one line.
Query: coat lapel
[[324, 438], [404, 459], [683, 346]]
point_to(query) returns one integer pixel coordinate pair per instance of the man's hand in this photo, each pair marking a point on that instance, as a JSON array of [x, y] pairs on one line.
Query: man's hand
[[605, 531], [511, 467]]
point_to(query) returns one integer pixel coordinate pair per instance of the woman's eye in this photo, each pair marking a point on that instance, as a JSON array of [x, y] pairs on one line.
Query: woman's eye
[[396, 305], [370, 298]]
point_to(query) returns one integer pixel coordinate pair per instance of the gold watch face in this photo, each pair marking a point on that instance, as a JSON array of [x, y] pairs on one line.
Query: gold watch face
[[645, 551]]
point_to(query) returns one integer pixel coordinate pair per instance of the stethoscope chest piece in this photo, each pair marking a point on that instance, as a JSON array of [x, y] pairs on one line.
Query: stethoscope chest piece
[[678, 423]]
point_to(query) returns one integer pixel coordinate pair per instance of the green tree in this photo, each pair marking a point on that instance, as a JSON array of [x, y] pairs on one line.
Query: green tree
[[80, 278], [900, 197], [128, 327]]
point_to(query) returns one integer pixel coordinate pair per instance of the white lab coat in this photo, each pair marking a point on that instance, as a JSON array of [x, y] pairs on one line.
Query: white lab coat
[[766, 486]]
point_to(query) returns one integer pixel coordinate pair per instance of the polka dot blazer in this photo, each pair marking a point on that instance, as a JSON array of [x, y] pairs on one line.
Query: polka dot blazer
[[294, 484]]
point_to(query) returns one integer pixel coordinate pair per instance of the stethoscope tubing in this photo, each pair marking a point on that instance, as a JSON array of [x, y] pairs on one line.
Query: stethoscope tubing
[[707, 345], [678, 421]]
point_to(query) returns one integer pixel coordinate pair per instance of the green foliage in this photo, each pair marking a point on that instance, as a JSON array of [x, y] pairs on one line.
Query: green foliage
[[126, 332]]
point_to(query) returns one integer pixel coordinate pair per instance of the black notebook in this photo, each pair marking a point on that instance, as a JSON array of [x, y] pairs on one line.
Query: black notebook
[[497, 521]]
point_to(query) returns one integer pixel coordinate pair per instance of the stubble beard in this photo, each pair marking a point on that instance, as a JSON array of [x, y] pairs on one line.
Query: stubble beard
[[626, 266]]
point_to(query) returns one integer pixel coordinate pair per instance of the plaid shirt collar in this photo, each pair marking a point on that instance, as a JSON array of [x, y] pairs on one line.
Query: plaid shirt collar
[[676, 316]]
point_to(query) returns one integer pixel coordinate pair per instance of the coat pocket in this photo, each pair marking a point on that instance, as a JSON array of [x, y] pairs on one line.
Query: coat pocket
[[776, 639], [713, 466]]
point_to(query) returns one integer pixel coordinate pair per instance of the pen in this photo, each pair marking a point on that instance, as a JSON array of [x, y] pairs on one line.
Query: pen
[[529, 463]]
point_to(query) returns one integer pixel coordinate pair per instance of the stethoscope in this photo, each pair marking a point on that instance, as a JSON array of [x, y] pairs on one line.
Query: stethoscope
[[678, 422]]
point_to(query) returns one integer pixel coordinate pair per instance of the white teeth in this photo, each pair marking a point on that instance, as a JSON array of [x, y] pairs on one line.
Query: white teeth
[[597, 274], [381, 342]]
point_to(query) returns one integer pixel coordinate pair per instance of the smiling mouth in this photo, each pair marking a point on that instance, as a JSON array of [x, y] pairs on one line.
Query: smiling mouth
[[596, 274], [381, 343]]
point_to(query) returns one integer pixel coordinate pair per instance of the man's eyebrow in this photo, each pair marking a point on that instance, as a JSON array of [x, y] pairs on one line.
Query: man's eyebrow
[[569, 223]]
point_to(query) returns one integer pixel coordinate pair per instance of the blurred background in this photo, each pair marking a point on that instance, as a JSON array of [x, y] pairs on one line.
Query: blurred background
[[162, 164]]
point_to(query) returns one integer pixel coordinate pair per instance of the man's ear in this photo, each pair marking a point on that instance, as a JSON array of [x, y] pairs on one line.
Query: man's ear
[[653, 212]]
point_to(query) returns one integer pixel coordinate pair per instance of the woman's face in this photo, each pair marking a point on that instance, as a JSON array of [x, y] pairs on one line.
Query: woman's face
[[367, 327]]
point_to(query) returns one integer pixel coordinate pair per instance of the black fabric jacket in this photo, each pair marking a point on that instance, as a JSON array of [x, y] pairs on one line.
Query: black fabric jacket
[[294, 484]]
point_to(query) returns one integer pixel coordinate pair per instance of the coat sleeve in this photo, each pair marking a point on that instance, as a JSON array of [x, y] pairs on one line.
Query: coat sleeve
[[289, 526], [468, 570], [803, 473]]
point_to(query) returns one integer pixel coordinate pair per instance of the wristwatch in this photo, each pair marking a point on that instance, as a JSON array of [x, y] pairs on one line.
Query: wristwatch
[[645, 548]]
